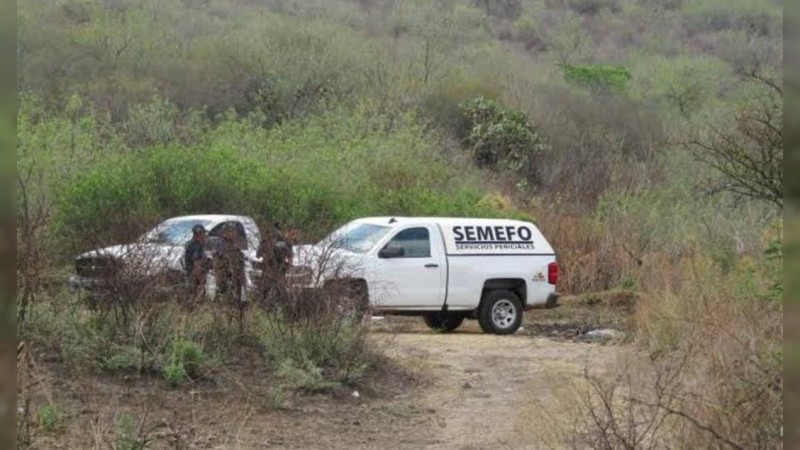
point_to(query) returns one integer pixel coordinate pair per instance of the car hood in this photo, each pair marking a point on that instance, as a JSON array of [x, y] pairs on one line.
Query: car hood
[[149, 257], [327, 262]]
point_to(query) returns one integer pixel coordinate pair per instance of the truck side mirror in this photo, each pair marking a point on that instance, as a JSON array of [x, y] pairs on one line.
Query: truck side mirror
[[392, 252]]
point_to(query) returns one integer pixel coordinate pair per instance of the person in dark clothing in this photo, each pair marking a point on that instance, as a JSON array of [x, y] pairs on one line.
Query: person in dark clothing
[[195, 262], [275, 252], [229, 265]]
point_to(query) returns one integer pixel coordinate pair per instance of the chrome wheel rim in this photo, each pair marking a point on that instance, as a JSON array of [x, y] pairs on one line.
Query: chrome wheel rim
[[504, 314]]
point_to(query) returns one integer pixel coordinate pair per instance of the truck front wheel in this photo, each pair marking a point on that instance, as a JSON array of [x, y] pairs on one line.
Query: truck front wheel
[[500, 312], [443, 322]]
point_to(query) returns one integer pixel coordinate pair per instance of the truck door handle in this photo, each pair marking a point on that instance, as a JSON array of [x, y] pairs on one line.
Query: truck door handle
[[431, 265]]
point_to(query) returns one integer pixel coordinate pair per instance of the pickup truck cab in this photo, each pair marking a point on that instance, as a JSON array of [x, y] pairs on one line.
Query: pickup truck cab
[[443, 269], [157, 255]]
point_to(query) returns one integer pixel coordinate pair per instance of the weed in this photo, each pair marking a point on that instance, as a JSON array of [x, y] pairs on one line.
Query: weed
[[627, 283], [126, 433], [51, 418], [277, 397], [122, 359], [185, 361], [305, 375], [591, 299]]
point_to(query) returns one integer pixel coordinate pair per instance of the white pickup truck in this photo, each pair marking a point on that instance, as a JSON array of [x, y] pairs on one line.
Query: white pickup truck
[[157, 255], [443, 269]]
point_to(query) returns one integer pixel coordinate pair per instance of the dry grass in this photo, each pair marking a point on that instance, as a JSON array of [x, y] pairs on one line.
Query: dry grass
[[731, 338], [589, 262], [705, 367], [708, 366]]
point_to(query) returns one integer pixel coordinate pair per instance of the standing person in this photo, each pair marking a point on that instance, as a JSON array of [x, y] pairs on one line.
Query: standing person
[[230, 271], [275, 252], [195, 263], [229, 264]]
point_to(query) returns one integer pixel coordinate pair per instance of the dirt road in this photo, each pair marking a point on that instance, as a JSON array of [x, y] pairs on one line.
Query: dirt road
[[462, 390], [473, 391], [498, 391]]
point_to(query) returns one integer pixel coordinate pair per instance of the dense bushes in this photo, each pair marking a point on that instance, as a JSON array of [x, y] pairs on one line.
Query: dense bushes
[[595, 144], [291, 174], [287, 61], [209, 56]]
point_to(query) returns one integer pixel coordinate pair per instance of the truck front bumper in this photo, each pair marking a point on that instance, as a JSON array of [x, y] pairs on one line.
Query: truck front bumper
[[77, 283]]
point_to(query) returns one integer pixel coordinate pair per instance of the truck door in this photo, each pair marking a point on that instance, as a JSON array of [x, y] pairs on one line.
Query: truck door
[[411, 270]]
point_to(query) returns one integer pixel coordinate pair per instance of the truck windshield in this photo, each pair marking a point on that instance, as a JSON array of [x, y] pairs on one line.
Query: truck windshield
[[358, 238], [173, 232]]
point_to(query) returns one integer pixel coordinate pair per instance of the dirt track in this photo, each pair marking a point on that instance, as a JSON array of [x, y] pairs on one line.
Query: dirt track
[[479, 391], [467, 390], [498, 391]]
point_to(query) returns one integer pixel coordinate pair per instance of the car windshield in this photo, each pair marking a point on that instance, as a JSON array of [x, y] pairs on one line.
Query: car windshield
[[356, 238], [173, 232]]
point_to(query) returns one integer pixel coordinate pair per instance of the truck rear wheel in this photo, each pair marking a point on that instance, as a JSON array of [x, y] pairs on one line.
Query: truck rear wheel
[[500, 312], [443, 322]]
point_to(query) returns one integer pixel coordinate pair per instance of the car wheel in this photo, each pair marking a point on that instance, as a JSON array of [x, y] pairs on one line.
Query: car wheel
[[500, 312], [443, 322]]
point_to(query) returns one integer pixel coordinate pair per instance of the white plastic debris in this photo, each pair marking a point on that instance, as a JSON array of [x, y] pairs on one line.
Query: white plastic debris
[[603, 334]]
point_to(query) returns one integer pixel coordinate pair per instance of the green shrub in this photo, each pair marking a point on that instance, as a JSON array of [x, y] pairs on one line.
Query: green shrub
[[305, 375], [599, 79], [502, 138], [277, 397], [186, 360], [104, 201], [82, 341], [175, 373], [50, 417], [123, 358], [126, 434], [316, 354], [94, 341]]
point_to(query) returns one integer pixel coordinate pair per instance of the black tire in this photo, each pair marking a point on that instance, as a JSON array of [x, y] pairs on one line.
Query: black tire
[[500, 312], [360, 297], [443, 322], [353, 295]]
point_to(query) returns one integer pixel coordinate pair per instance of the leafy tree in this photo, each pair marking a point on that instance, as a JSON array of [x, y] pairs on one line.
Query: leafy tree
[[502, 138], [600, 79]]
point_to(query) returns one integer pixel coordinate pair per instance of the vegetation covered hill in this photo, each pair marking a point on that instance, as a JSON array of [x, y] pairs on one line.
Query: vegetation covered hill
[[609, 87], [644, 136]]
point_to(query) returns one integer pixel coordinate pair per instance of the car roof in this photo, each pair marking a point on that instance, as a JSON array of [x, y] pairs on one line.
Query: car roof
[[208, 218], [445, 221]]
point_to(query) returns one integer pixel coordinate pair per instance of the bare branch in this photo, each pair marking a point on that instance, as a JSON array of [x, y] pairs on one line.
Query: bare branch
[[749, 157]]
